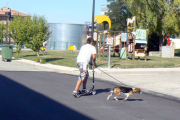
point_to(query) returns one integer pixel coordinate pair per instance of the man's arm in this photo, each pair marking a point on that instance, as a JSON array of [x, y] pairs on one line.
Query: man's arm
[[94, 60]]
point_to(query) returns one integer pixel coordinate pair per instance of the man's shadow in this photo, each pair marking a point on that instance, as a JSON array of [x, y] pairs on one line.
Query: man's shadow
[[98, 91]]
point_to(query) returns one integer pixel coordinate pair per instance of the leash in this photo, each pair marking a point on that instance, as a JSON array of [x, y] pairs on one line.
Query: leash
[[113, 77]]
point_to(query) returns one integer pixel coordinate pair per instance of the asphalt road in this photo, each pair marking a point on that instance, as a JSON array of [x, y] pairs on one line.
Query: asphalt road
[[29, 93]]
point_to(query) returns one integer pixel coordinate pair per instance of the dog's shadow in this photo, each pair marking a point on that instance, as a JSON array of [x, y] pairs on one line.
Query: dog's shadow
[[130, 99]]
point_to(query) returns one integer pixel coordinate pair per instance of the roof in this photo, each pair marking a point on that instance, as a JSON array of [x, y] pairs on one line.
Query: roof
[[13, 12]]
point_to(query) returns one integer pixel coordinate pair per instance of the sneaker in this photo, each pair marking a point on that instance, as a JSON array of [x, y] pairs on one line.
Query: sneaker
[[75, 94], [84, 91], [79, 92]]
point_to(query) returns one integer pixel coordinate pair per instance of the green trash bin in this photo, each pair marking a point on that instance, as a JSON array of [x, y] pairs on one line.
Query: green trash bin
[[7, 52]]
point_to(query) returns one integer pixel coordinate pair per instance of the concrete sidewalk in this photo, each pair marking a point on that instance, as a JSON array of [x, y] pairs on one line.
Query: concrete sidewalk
[[159, 81]]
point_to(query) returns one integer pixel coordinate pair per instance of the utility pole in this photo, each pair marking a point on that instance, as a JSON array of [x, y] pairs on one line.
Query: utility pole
[[92, 23], [92, 30]]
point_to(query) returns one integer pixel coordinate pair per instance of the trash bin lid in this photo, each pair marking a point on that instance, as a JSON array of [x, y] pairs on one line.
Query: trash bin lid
[[6, 45]]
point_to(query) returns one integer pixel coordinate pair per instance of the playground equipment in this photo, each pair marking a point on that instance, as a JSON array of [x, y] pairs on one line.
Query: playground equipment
[[101, 37], [131, 27], [42, 48], [133, 42], [117, 43], [72, 48], [126, 44], [140, 43], [136, 40], [102, 19]]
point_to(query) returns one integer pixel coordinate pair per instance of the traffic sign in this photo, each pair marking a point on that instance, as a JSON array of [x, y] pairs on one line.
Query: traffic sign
[[110, 40]]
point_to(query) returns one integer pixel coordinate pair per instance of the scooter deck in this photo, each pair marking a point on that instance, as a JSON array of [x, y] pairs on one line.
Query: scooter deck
[[83, 94], [93, 92]]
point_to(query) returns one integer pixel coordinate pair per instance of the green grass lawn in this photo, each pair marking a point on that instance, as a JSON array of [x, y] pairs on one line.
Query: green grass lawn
[[66, 58]]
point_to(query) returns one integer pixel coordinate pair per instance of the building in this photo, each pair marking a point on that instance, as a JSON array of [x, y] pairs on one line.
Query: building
[[6, 14], [65, 35]]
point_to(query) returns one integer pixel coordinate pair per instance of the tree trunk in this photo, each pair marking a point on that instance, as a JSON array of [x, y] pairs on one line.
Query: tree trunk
[[38, 56], [17, 50], [160, 42]]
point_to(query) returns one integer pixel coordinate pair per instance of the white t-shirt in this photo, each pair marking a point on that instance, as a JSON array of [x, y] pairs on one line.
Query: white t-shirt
[[85, 53]]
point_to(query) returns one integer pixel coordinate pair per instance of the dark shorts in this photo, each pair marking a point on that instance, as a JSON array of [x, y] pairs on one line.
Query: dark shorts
[[83, 68]]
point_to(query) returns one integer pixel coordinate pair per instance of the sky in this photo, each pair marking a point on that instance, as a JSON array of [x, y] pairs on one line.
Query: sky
[[57, 11]]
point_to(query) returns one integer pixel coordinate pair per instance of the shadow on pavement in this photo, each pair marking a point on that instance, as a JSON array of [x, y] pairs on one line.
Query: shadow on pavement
[[135, 100], [106, 90], [130, 99], [18, 102]]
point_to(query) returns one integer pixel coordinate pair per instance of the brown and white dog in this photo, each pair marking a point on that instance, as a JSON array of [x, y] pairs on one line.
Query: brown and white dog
[[126, 90]]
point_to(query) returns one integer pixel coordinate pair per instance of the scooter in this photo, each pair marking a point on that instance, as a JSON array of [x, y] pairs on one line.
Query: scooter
[[91, 91]]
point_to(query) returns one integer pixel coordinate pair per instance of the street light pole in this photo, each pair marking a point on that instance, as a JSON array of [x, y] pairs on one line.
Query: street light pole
[[9, 20], [92, 23], [92, 29], [8, 15]]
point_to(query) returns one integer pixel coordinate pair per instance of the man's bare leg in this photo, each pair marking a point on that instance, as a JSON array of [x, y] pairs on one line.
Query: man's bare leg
[[78, 85]]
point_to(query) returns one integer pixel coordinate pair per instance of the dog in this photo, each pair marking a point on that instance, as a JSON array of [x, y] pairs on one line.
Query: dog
[[126, 90]]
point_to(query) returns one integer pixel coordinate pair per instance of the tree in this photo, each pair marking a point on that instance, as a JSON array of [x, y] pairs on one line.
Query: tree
[[158, 16], [19, 31], [118, 13], [39, 33], [1, 31]]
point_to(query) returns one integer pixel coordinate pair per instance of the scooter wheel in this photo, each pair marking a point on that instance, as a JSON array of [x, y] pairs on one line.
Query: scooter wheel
[[93, 92]]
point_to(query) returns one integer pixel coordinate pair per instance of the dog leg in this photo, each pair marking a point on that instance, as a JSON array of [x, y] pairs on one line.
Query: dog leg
[[127, 96], [110, 95], [117, 94], [115, 98]]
